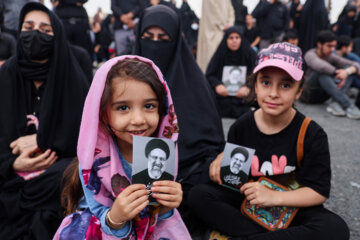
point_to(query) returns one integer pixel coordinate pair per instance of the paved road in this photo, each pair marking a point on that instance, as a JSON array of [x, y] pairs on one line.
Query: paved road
[[344, 141]]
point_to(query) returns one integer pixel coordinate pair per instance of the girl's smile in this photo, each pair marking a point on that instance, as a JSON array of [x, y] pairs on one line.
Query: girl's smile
[[138, 132]]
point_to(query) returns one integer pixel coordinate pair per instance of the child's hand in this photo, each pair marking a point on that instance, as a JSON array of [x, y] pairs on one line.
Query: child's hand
[[258, 194], [129, 203], [168, 193], [214, 169]]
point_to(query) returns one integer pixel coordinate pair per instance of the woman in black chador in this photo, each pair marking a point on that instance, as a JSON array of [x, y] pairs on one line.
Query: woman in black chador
[[159, 38], [313, 19], [42, 91], [234, 50]]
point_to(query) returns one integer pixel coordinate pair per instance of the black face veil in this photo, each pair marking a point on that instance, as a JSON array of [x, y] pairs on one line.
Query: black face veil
[[160, 52], [201, 132]]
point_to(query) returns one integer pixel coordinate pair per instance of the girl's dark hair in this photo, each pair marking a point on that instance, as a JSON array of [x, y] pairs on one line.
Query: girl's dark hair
[[130, 68], [250, 83], [72, 189]]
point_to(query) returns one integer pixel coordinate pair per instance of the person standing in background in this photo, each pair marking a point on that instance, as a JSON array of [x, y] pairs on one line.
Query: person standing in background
[[126, 13], [76, 22], [313, 19], [273, 18], [251, 32], [217, 16], [241, 12], [190, 26], [7, 41], [11, 14]]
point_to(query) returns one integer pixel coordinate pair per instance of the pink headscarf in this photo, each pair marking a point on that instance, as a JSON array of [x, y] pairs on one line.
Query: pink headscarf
[[97, 150]]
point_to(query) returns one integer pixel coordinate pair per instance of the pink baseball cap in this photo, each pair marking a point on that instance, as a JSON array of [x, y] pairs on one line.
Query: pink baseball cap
[[284, 55]]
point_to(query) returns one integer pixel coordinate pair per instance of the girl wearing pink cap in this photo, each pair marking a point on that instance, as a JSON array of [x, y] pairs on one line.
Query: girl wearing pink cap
[[128, 97], [272, 130]]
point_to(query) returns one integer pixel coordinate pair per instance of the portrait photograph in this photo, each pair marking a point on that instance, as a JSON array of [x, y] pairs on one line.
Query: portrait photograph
[[153, 160], [233, 77], [235, 165]]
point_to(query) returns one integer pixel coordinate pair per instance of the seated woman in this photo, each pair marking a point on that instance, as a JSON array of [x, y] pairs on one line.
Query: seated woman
[[227, 71], [42, 91], [160, 39]]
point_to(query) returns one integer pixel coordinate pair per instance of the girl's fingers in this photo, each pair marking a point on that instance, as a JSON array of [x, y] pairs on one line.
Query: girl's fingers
[[168, 204], [167, 191], [218, 177], [167, 187], [134, 207], [132, 188], [247, 186], [214, 170], [125, 200], [217, 167], [167, 183], [167, 197], [251, 196], [139, 208], [130, 209], [249, 191]]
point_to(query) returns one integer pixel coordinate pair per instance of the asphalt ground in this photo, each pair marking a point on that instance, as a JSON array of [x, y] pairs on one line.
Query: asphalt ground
[[344, 142]]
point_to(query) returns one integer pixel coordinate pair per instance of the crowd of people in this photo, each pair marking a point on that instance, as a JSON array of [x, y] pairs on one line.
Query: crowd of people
[[66, 134]]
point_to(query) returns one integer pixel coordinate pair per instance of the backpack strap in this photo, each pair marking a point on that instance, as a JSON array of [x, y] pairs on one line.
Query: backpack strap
[[300, 141]]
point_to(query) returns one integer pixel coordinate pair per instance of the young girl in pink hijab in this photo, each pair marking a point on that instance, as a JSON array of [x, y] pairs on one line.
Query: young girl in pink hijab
[[128, 97]]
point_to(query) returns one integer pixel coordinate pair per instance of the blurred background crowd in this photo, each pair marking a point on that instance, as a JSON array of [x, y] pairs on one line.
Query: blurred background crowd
[[95, 39], [97, 33]]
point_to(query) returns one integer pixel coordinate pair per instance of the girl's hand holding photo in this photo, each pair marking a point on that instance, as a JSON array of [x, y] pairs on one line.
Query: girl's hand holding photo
[[214, 169], [259, 194], [168, 193], [129, 203]]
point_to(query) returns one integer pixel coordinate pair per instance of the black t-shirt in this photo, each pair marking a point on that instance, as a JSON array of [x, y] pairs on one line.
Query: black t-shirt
[[276, 153]]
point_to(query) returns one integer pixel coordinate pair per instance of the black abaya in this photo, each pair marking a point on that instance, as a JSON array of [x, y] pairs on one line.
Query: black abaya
[[201, 130], [31, 209], [201, 137], [313, 19]]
